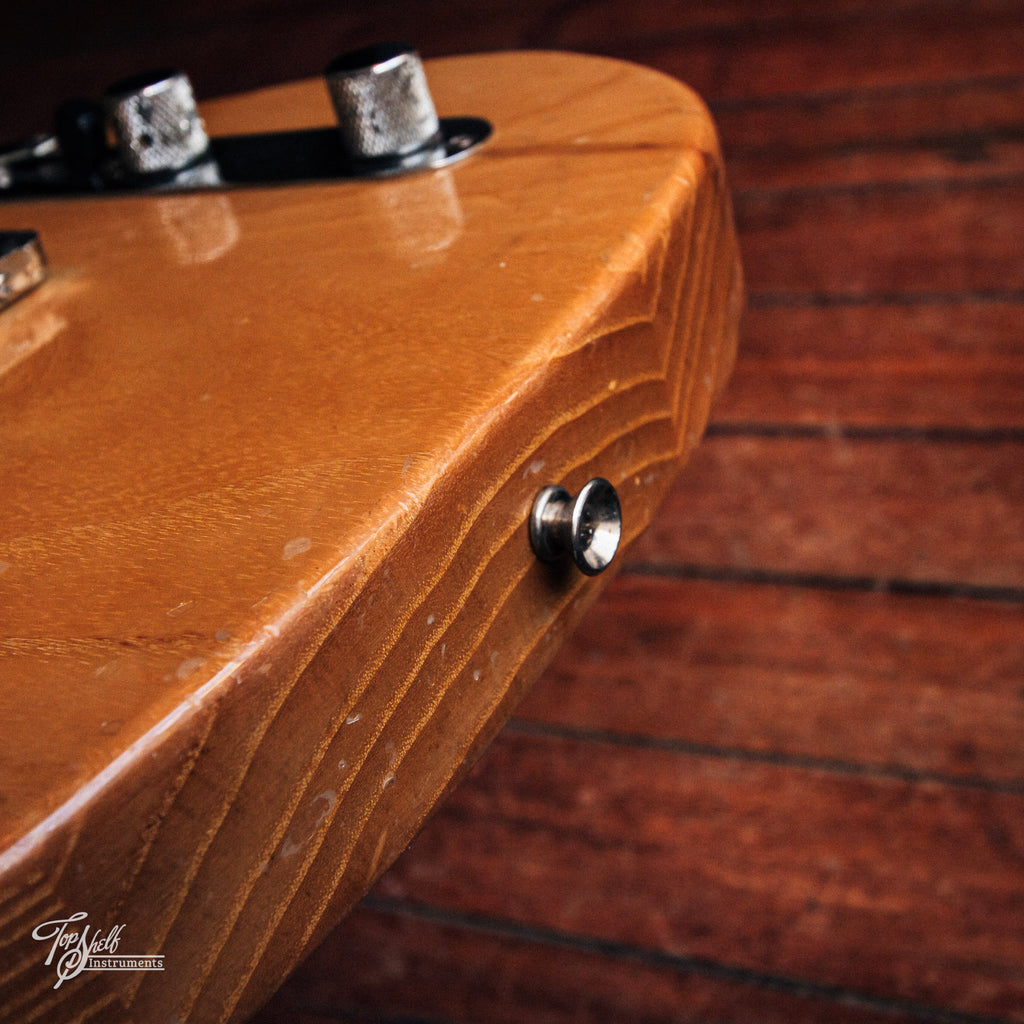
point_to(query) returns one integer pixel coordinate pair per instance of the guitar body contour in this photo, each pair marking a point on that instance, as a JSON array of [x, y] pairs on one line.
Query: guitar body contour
[[268, 458]]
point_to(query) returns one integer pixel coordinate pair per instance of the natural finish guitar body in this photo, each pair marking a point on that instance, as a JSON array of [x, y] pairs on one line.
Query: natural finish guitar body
[[266, 587]]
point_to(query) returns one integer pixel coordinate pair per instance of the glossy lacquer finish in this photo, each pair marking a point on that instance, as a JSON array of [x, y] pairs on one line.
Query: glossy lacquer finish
[[269, 455]]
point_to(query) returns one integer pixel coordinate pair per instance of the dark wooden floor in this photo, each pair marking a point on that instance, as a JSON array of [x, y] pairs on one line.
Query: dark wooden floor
[[779, 773]]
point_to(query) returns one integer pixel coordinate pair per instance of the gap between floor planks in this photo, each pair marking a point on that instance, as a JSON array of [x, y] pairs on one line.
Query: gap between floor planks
[[446, 967], [738, 863], [921, 688], [800, 169], [742, 54]]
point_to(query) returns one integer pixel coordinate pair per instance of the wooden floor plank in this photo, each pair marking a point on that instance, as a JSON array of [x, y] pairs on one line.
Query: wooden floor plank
[[874, 510], [593, 23], [969, 157], [381, 965], [910, 685], [734, 49], [938, 237], [831, 828], [955, 130], [876, 47], [950, 364], [886, 888]]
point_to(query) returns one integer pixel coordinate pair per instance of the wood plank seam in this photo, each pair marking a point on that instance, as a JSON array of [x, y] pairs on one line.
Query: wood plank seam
[[823, 581], [913, 186], [832, 766], [556, 938], [865, 432], [773, 299], [787, 22], [901, 90]]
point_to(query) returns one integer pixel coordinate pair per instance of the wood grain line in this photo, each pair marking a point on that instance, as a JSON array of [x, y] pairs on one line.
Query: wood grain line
[[503, 541], [301, 789], [414, 733], [898, 240], [40, 886], [454, 973], [341, 864], [879, 49], [485, 717], [18, 1003], [704, 237], [245, 972], [955, 524]]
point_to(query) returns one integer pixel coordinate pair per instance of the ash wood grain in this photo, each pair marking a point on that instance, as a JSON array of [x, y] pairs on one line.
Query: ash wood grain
[[871, 509], [397, 962], [906, 685], [829, 95], [826, 96], [871, 886], [272, 478]]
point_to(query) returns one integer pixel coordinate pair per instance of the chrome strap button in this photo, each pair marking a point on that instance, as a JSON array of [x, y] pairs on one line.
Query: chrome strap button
[[587, 527]]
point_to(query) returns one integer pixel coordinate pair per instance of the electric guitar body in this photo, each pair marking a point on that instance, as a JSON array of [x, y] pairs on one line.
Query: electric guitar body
[[269, 457]]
